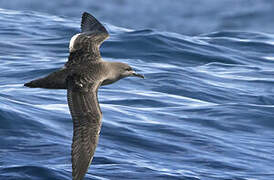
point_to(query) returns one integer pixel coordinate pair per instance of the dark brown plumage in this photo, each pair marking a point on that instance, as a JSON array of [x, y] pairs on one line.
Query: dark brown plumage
[[82, 75]]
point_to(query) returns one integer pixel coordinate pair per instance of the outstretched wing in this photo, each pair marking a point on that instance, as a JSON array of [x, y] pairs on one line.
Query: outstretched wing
[[55, 80], [86, 116], [84, 46]]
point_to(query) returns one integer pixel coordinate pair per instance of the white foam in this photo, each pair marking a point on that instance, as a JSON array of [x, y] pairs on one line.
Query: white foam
[[271, 58]]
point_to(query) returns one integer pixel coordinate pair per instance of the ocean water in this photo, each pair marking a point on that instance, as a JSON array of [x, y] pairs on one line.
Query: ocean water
[[203, 112]]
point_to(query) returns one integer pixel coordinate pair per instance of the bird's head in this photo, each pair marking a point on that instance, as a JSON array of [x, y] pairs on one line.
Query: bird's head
[[118, 71], [125, 71]]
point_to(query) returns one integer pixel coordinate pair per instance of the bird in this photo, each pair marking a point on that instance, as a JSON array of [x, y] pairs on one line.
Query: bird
[[82, 75]]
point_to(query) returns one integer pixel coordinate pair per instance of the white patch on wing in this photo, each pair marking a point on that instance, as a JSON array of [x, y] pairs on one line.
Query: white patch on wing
[[71, 43]]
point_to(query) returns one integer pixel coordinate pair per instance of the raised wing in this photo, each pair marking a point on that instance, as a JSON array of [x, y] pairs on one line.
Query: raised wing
[[93, 29], [86, 116], [84, 46], [90, 23]]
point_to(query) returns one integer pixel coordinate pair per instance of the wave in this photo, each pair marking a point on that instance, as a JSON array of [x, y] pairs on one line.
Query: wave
[[204, 110]]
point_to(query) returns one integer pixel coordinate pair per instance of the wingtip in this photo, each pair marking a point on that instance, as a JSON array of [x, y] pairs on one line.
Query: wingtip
[[28, 84], [90, 23], [85, 14], [31, 84]]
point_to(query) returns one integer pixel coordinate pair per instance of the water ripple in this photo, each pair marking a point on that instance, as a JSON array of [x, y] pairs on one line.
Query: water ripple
[[204, 111]]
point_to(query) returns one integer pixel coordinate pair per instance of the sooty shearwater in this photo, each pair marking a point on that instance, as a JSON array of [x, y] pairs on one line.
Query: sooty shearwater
[[82, 75]]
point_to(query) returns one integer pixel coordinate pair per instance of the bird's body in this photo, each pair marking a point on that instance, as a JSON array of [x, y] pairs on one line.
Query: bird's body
[[82, 75]]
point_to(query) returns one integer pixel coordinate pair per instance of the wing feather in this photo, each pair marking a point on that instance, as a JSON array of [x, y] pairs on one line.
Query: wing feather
[[93, 29], [86, 116], [84, 47]]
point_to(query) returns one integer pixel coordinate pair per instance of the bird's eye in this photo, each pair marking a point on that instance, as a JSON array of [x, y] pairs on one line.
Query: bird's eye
[[128, 69]]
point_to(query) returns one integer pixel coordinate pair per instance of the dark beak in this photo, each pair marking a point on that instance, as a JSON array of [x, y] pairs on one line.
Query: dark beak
[[138, 75]]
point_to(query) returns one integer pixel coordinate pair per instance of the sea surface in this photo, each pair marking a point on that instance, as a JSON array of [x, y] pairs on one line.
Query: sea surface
[[205, 110]]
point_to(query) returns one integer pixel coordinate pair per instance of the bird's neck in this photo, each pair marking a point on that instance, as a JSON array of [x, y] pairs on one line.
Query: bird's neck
[[111, 75]]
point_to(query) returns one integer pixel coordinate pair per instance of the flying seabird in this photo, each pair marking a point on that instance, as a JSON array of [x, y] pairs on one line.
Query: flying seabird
[[82, 75]]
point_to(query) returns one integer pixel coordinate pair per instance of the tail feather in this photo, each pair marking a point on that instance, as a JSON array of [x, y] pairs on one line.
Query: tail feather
[[55, 80]]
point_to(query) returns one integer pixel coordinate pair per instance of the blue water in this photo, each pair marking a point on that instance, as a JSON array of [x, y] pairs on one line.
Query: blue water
[[205, 110]]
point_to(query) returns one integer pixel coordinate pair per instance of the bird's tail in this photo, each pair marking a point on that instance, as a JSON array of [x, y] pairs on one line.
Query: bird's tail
[[55, 80]]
